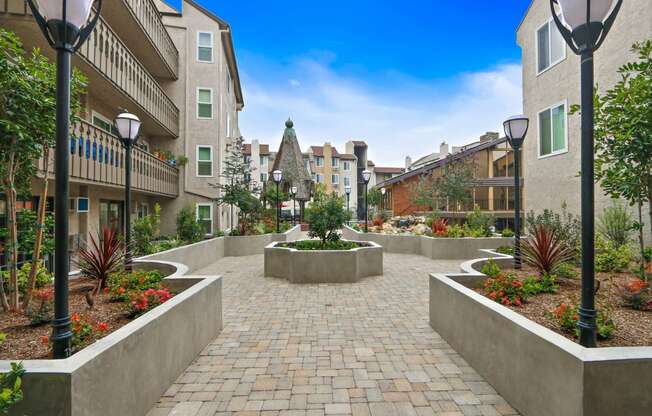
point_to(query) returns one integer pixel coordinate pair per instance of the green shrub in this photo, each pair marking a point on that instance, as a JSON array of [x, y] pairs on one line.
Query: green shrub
[[326, 215], [480, 223], [43, 278], [616, 224], [490, 269], [164, 245], [506, 289], [311, 245], [543, 284], [567, 317], [509, 250], [41, 309], [612, 258], [508, 233], [189, 230], [567, 271], [120, 285], [566, 226], [144, 231]]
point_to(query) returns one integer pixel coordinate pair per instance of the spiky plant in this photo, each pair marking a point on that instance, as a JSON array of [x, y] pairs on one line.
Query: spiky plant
[[545, 250], [99, 259]]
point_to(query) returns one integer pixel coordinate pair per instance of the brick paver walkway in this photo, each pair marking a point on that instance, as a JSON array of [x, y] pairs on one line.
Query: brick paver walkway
[[307, 350]]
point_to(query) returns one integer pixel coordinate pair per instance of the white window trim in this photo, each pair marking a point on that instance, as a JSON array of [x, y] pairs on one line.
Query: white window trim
[[335, 162], [345, 162], [212, 61], [347, 178], [334, 176], [211, 103], [558, 152], [319, 178], [197, 160], [317, 159], [553, 25], [210, 206]]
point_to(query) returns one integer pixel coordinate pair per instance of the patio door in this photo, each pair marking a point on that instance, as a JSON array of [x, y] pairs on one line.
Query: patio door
[[112, 216]]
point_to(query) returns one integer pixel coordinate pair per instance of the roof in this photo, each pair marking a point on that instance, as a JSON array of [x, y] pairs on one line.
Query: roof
[[359, 143], [465, 151], [426, 159], [263, 149], [388, 170], [525, 15], [227, 42], [319, 152]]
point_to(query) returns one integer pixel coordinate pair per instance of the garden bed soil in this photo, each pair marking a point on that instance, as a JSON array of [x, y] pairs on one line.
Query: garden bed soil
[[633, 328], [25, 342], [315, 245]]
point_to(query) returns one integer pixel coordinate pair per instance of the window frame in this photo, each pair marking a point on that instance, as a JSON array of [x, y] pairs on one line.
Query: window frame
[[212, 103], [319, 178], [335, 162], [199, 33], [345, 164], [317, 159], [210, 206], [551, 24], [550, 108], [197, 161], [264, 177], [347, 178], [101, 117], [334, 176]]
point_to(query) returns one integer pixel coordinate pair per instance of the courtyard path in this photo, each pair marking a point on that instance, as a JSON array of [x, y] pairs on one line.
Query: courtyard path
[[362, 349]]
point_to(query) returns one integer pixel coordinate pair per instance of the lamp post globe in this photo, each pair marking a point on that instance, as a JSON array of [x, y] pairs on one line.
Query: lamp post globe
[[366, 177], [294, 191], [277, 176], [516, 128], [128, 126], [584, 25], [65, 24]]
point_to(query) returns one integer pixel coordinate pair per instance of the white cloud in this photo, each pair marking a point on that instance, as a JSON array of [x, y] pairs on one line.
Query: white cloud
[[396, 115]]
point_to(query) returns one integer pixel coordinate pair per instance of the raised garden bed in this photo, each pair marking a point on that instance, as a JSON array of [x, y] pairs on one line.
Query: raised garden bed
[[310, 265]]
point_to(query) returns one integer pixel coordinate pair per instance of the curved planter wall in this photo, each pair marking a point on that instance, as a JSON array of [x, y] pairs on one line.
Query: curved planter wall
[[327, 266]]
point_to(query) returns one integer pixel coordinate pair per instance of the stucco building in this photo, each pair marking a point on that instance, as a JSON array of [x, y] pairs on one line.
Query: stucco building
[[551, 85], [177, 71]]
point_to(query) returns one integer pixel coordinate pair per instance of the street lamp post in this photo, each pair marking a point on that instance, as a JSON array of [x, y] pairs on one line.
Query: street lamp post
[[383, 191], [128, 126], [584, 25], [366, 176], [277, 175], [66, 24], [347, 191], [515, 129], [294, 191]]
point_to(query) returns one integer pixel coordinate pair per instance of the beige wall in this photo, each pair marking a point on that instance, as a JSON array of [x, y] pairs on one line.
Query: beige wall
[[553, 180]]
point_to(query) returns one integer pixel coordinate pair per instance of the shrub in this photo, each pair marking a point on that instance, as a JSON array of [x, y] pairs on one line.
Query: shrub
[[143, 301], [636, 295], [41, 310], [509, 250], [506, 289], [102, 259], [11, 391], [541, 284], [490, 269], [121, 284], [567, 271], [545, 251], [616, 224], [457, 231], [326, 216], [480, 222], [378, 221], [439, 227], [84, 331], [507, 233], [164, 245], [189, 230], [309, 245], [612, 258], [567, 316], [43, 278], [356, 227], [145, 230], [566, 226]]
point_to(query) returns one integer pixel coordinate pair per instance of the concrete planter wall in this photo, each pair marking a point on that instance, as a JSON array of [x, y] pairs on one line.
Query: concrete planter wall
[[334, 266], [538, 371], [434, 248], [126, 372]]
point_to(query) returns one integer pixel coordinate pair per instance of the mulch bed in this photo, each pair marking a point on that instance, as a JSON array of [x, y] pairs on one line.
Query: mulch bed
[[633, 328], [24, 342]]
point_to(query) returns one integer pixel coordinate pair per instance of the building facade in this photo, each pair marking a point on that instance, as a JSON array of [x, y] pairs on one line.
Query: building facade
[[551, 85], [176, 70]]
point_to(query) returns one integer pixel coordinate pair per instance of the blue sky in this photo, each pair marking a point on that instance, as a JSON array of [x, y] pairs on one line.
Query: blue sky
[[403, 76]]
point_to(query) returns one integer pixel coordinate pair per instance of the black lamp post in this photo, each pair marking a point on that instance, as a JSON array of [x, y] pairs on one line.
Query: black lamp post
[[293, 193], [128, 126], [515, 129], [277, 175], [347, 191], [366, 176], [66, 24], [383, 191], [584, 25]]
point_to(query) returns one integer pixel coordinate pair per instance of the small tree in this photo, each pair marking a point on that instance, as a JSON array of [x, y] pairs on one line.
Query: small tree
[[326, 215], [189, 230], [452, 186]]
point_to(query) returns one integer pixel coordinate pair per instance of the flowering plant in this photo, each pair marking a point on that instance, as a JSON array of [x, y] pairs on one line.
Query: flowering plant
[[84, 331], [567, 317], [636, 294], [144, 301], [440, 227], [506, 289], [120, 284], [40, 311]]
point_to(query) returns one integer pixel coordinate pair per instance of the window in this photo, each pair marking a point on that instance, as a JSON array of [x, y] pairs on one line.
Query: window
[[335, 162], [347, 181], [228, 81], [306, 162], [319, 178], [319, 161], [553, 137], [247, 160], [205, 161], [205, 217], [347, 166], [551, 47], [263, 177], [228, 125], [143, 210], [335, 179], [205, 47], [264, 160], [204, 103], [103, 123]]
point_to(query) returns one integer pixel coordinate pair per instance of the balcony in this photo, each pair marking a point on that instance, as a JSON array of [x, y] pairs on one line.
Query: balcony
[[97, 158], [116, 76], [140, 27]]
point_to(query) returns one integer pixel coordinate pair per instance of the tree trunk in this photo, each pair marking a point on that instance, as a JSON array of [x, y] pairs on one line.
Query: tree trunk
[[641, 240], [40, 225], [3, 295], [649, 205], [13, 245]]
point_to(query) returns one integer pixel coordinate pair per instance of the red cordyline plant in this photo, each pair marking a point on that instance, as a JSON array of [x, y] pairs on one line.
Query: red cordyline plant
[[99, 259], [545, 251], [440, 227]]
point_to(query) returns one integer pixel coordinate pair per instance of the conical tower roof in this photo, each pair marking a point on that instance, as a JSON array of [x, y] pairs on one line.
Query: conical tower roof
[[289, 160]]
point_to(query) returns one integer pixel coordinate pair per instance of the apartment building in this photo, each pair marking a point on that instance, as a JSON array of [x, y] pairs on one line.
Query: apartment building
[[260, 160], [492, 160], [177, 71], [331, 168], [551, 84]]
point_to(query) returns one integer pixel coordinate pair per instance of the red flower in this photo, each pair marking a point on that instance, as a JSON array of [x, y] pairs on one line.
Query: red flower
[[121, 290], [517, 302], [102, 326], [492, 295], [45, 340], [75, 317], [106, 290], [517, 283], [505, 301]]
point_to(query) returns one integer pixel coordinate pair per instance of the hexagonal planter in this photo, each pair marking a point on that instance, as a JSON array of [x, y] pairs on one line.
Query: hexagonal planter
[[324, 266]]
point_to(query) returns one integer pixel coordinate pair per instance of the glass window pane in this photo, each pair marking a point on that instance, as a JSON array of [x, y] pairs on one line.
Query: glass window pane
[[205, 39], [559, 128], [205, 168], [204, 212], [205, 54], [204, 153], [557, 45], [544, 48], [205, 110], [204, 96], [545, 144]]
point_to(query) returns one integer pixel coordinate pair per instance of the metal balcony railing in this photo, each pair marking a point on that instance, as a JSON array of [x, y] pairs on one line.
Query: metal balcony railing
[[97, 157]]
